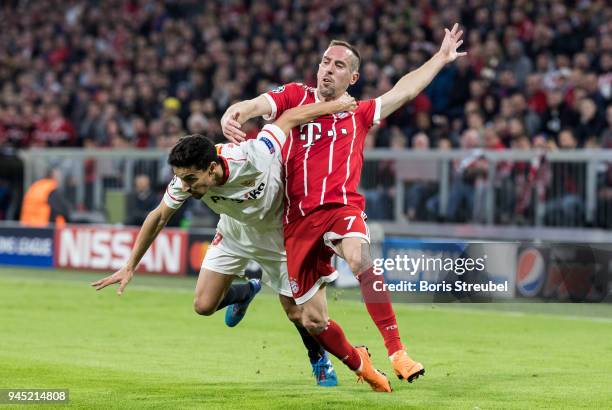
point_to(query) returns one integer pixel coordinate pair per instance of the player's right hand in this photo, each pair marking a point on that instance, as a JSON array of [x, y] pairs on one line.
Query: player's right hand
[[123, 276], [347, 103], [231, 126]]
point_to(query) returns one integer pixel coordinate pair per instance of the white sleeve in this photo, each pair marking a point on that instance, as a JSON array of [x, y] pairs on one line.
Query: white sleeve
[[174, 196], [267, 147], [377, 108]]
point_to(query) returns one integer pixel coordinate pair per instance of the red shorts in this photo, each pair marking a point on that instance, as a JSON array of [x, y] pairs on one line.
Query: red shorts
[[309, 243]]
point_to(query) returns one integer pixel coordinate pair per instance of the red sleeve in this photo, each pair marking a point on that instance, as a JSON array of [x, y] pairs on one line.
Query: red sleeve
[[369, 112], [285, 97]]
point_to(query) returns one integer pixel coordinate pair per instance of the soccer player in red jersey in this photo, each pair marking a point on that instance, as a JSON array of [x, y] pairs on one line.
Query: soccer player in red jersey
[[323, 210]]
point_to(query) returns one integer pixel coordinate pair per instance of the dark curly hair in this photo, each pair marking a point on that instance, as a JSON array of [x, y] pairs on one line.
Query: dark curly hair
[[193, 150]]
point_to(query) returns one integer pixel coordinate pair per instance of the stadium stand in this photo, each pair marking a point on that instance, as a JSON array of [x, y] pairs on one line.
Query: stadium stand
[[139, 74]]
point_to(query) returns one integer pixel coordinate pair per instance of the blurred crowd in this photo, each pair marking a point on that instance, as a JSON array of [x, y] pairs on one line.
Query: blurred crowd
[[141, 73]]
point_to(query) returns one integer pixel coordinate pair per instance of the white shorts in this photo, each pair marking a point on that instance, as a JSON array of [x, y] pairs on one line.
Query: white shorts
[[235, 245]]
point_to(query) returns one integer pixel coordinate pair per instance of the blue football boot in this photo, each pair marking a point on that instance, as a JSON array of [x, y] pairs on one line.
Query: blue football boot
[[324, 373], [234, 313]]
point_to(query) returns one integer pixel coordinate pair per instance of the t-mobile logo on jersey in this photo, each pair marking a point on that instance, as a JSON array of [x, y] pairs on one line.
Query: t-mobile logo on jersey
[[313, 133]]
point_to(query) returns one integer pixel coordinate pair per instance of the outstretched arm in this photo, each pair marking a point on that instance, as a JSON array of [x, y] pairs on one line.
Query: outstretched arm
[[410, 85], [262, 151], [152, 226], [239, 113], [306, 113]]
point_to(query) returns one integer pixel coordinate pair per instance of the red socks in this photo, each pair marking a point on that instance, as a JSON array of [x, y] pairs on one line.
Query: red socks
[[334, 341], [379, 307]]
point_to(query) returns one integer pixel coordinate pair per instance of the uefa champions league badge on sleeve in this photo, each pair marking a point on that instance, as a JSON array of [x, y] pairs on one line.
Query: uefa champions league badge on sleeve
[[268, 144]]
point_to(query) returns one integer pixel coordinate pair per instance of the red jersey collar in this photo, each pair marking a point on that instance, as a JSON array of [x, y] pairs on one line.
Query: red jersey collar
[[225, 167]]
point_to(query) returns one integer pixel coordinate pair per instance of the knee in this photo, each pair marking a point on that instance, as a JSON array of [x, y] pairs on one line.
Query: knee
[[357, 260], [294, 314], [203, 307], [314, 324]]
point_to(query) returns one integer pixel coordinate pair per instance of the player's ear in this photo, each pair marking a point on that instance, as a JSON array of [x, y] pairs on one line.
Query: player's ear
[[354, 77], [211, 167]]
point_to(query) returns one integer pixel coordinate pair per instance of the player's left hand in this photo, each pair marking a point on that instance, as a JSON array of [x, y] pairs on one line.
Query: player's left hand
[[452, 41], [123, 276], [231, 127]]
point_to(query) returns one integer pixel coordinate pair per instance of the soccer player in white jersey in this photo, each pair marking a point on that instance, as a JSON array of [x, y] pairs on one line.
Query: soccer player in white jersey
[[243, 183]]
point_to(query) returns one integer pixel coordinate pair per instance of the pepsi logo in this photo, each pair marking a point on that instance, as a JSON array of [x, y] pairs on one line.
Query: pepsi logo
[[530, 272]]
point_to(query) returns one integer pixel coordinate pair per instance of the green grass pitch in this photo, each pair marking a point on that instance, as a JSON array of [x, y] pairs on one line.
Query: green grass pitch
[[148, 349]]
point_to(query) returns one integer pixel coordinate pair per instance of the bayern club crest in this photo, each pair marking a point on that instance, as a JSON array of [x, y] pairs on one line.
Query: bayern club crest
[[279, 89], [294, 286]]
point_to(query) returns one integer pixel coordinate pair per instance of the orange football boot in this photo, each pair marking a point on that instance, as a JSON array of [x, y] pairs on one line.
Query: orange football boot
[[376, 379], [404, 367]]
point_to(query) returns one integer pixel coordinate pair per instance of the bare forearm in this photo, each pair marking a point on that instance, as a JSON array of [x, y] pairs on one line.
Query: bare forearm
[[152, 226], [415, 81], [411, 84], [248, 109], [305, 113]]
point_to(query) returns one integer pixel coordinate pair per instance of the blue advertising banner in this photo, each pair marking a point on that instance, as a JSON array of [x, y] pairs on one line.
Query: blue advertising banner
[[26, 247]]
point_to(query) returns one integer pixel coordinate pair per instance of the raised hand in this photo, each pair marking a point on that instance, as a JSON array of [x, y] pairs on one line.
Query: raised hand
[[452, 41]]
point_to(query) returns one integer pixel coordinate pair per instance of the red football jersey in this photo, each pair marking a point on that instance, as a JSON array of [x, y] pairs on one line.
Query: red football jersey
[[322, 159]]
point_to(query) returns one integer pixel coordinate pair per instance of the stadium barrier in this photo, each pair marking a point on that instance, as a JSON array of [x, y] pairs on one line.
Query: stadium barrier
[[103, 248], [107, 248], [523, 196], [508, 187], [568, 271], [28, 247], [443, 262], [562, 264], [546, 270]]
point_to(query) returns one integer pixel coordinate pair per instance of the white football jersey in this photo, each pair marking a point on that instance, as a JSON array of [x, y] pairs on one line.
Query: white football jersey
[[252, 191]]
